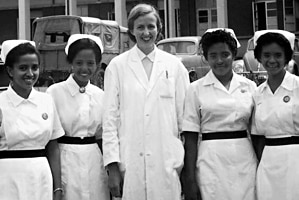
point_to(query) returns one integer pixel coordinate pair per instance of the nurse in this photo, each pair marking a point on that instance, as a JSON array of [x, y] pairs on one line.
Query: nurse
[[275, 126], [144, 95], [219, 159], [80, 108], [29, 153]]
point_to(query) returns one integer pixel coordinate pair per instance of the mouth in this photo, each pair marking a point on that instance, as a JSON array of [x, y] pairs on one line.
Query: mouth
[[29, 81]]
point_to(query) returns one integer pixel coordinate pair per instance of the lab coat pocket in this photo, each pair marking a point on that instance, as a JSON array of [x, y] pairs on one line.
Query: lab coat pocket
[[167, 88]]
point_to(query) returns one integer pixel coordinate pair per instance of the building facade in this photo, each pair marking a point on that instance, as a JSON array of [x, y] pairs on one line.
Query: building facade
[[180, 17]]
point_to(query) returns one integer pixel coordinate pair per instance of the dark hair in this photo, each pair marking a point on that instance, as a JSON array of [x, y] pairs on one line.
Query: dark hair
[[141, 10], [84, 43], [22, 49], [218, 36], [270, 38]]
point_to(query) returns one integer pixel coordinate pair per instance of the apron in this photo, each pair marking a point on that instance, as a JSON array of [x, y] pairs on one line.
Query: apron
[[278, 173], [83, 173], [25, 178], [226, 169]]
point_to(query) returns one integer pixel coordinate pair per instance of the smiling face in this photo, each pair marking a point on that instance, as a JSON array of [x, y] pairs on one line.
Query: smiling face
[[84, 65], [145, 31], [220, 59], [273, 59], [24, 74]]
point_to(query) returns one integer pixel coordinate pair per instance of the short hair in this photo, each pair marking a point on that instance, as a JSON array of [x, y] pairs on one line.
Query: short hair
[[141, 10], [84, 43], [218, 36], [22, 49], [270, 38]]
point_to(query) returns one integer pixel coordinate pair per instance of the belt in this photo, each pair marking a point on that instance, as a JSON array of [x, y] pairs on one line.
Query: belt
[[77, 140], [282, 141], [22, 153], [224, 135]]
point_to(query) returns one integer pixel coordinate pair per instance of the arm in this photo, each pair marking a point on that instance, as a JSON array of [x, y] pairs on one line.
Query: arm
[[189, 183], [258, 142], [53, 155]]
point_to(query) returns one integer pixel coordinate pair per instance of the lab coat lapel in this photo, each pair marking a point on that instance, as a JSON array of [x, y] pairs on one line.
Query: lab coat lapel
[[158, 68], [136, 66]]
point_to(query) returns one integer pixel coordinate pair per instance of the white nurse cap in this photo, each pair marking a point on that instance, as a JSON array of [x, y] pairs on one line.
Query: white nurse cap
[[229, 30], [76, 37], [288, 35], [8, 45]]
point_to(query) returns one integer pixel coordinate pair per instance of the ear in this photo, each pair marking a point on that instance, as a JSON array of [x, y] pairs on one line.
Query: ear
[[9, 71]]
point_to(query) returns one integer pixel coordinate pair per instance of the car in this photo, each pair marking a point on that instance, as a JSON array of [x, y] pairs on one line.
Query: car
[[187, 48], [254, 70]]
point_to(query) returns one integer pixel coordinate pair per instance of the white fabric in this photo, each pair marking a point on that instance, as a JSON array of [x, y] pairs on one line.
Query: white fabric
[[278, 176], [288, 35], [142, 122], [210, 107], [83, 173], [225, 168], [8, 45], [229, 30], [73, 38], [25, 127]]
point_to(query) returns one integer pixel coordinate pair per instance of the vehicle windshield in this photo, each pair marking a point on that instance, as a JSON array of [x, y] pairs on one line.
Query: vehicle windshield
[[183, 47]]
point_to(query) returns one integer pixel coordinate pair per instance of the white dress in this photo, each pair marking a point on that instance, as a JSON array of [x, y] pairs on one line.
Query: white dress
[[83, 173], [225, 168], [28, 124], [277, 116], [142, 123]]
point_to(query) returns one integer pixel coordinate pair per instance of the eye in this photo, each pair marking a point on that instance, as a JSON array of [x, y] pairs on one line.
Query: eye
[[90, 63], [23, 67], [35, 67], [78, 63], [225, 55]]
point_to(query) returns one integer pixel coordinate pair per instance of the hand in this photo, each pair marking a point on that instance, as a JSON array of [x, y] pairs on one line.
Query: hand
[[57, 195], [115, 182]]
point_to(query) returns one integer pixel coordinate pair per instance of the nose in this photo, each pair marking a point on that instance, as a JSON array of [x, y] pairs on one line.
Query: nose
[[29, 72], [219, 59], [272, 58], [146, 31]]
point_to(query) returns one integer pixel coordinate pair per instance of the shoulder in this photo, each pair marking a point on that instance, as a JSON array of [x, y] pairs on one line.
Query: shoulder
[[96, 90], [56, 87]]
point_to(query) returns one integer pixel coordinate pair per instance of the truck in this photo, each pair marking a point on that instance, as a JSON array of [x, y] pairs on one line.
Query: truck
[[51, 34]]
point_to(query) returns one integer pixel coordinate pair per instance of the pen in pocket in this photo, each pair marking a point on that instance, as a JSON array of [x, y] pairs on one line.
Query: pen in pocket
[[166, 73]]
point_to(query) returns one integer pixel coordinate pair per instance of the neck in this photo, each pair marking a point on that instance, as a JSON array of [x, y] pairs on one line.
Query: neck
[[80, 83], [22, 92], [146, 50], [225, 80], [274, 81]]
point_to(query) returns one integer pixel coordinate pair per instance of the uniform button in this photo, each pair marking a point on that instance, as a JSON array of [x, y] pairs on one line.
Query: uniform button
[[141, 154], [148, 154], [147, 115]]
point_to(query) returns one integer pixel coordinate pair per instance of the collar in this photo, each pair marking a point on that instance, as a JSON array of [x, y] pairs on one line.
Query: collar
[[287, 82], [17, 100], [73, 87], [151, 55], [210, 79]]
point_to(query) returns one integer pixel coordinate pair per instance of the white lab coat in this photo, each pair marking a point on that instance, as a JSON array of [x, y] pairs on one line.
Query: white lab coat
[[225, 169], [82, 171], [142, 122], [27, 124], [277, 115]]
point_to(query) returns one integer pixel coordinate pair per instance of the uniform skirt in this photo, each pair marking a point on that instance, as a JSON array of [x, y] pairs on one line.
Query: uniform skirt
[[226, 169], [83, 173], [278, 173], [25, 178]]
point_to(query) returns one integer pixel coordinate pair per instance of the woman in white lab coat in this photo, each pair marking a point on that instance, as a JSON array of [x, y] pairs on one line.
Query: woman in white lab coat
[[29, 153], [144, 95], [275, 126], [80, 108], [219, 158]]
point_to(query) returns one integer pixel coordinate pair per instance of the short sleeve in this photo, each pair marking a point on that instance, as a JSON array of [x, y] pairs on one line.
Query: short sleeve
[[191, 119], [57, 131]]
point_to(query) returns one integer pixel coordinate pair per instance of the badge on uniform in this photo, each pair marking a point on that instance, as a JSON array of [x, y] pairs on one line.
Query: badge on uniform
[[286, 99], [82, 89], [45, 116]]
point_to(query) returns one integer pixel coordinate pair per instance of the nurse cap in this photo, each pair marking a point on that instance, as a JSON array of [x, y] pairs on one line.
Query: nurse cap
[[76, 37], [8, 45], [229, 30], [288, 35]]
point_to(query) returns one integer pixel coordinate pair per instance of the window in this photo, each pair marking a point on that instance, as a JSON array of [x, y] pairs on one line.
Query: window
[[207, 18]]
